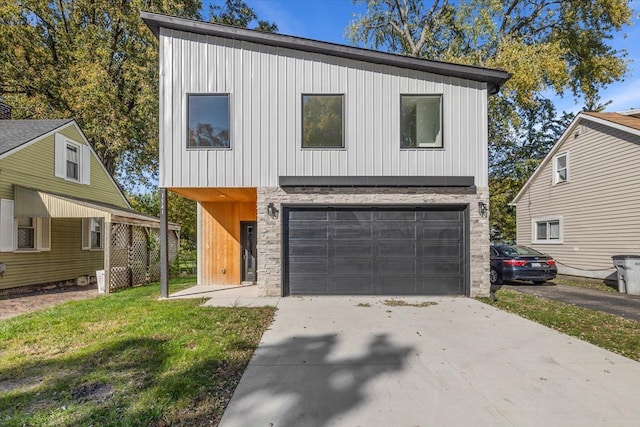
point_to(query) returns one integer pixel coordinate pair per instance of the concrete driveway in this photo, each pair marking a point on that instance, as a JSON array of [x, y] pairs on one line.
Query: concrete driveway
[[349, 361]]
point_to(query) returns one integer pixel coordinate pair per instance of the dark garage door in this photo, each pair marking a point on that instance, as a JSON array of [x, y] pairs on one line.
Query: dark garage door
[[375, 251]]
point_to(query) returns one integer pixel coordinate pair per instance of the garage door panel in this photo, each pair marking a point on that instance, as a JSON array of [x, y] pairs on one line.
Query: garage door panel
[[409, 216], [442, 233], [396, 249], [352, 266], [352, 231], [394, 286], [309, 249], [349, 286], [354, 251], [352, 215], [309, 215], [306, 266], [442, 267], [313, 231], [441, 250], [396, 232], [395, 268], [357, 249], [439, 215]]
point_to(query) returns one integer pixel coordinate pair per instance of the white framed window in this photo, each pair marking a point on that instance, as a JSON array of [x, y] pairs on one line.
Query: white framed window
[[561, 168], [547, 230], [420, 121], [72, 160], [92, 234], [32, 234]]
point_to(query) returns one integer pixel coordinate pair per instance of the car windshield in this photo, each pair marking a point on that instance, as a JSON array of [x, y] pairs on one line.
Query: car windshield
[[519, 251]]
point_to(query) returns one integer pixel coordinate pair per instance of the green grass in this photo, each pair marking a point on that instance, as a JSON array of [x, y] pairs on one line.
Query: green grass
[[605, 330], [584, 284], [125, 359]]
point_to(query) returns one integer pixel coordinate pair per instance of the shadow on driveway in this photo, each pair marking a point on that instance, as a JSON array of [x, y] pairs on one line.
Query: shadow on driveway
[[301, 382]]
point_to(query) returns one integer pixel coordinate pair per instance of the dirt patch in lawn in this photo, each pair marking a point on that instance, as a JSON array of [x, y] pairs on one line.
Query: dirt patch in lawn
[[12, 305]]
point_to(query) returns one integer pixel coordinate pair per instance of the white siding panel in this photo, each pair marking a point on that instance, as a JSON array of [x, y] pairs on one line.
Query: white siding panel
[[266, 85]]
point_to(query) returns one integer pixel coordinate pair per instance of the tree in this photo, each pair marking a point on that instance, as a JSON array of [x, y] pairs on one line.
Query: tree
[[548, 45], [95, 61], [545, 44]]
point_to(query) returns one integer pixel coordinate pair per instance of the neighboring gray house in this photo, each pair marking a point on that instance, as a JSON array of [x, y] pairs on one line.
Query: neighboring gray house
[[325, 169], [582, 204]]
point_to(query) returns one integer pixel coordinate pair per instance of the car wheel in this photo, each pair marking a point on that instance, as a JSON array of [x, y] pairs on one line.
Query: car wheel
[[539, 282], [494, 277]]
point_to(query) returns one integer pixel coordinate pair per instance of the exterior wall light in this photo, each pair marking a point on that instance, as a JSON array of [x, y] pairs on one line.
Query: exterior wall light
[[272, 211], [482, 208]]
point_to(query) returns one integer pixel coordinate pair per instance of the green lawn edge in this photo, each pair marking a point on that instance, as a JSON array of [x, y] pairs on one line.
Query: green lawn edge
[[128, 358], [604, 330]]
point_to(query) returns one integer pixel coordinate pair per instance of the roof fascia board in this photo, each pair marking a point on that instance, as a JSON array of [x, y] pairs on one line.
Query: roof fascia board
[[35, 140], [494, 78], [84, 138], [611, 124], [562, 139]]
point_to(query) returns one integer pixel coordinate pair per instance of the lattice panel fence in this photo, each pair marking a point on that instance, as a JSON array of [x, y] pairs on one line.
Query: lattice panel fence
[[135, 255]]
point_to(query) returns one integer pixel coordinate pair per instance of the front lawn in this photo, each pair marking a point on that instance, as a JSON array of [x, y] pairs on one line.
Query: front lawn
[[602, 329], [125, 359]]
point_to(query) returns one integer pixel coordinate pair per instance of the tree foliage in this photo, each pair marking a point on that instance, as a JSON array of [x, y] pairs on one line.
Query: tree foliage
[[322, 121], [97, 62], [549, 46]]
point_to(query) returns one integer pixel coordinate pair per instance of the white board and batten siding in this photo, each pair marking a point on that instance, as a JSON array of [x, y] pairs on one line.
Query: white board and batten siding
[[266, 86], [599, 205]]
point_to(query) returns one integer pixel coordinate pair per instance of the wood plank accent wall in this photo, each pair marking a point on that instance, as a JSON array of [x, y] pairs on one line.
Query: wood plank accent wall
[[220, 234]]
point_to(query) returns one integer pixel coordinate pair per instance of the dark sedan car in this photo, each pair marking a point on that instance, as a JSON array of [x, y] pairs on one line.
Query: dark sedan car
[[520, 263]]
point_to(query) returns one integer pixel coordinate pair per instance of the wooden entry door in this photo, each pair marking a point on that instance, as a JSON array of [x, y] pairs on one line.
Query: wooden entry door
[[248, 238]]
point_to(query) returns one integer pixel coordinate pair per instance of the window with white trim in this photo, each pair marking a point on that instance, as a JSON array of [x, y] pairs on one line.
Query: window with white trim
[[72, 160], [32, 234], [561, 168], [547, 230], [92, 235]]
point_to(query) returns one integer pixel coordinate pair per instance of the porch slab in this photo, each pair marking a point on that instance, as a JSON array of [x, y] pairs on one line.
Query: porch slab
[[227, 296]]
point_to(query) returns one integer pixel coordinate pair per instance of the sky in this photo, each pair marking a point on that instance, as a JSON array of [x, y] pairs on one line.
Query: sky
[[326, 20]]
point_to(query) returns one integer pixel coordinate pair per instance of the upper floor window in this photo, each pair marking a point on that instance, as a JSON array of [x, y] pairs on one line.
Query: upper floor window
[[547, 230], [322, 121], [561, 168], [72, 160], [208, 121], [421, 121]]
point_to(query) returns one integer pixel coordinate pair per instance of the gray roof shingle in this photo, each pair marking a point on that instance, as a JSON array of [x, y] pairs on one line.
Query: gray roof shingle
[[14, 133]]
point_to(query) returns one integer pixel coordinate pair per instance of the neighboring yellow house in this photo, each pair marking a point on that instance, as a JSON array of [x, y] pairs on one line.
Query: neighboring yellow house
[[57, 204]]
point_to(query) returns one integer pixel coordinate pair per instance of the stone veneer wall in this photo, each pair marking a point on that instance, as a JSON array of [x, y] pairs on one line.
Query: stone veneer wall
[[269, 241]]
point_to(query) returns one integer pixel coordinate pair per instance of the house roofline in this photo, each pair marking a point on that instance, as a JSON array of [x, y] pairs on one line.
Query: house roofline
[[70, 122], [493, 77], [561, 141]]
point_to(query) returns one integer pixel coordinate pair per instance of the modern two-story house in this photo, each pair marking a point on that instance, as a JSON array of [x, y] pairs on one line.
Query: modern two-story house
[[581, 204], [325, 169]]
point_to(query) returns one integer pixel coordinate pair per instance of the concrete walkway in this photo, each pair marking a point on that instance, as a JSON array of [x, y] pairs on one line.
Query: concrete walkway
[[623, 305], [349, 361]]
